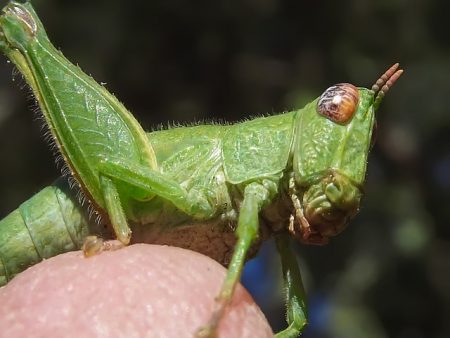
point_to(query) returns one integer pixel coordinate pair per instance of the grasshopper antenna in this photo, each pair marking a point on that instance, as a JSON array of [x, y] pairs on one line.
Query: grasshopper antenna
[[385, 82]]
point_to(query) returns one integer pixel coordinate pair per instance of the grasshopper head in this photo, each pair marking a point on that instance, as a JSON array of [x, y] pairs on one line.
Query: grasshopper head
[[333, 139]]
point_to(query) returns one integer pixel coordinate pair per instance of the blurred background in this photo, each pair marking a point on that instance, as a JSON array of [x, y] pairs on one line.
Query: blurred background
[[388, 274]]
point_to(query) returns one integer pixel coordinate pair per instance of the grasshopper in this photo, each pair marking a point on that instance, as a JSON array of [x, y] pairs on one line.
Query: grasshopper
[[209, 188]]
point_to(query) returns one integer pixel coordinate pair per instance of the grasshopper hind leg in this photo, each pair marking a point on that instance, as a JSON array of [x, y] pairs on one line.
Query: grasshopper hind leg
[[115, 210], [94, 245]]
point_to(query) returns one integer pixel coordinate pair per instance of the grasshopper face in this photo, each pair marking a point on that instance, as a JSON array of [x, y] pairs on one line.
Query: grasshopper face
[[333, 139]]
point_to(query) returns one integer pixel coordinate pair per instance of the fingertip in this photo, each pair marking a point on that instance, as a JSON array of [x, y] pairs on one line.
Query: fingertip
[[137, 290]]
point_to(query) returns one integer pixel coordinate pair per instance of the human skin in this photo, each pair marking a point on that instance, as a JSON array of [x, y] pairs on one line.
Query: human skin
[[138, 291]]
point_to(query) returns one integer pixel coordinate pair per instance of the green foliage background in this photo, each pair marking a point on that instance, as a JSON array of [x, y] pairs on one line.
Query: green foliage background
[[388, 275]]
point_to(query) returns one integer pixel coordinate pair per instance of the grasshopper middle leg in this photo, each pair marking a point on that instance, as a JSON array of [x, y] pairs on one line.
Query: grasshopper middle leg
[[196, 205]]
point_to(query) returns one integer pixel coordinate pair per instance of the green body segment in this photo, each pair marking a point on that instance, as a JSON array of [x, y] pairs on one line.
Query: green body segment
[[244, 151], [258, 148], [49, 223], [221, 160]]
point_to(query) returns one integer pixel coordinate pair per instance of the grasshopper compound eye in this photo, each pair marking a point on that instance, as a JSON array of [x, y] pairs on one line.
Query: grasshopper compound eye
[[339, 102]]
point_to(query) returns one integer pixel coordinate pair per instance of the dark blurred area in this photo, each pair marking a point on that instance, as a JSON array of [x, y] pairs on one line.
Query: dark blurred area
[[388, 274]]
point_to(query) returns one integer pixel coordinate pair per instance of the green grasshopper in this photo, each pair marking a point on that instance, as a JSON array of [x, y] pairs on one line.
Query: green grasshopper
[[207, 187]]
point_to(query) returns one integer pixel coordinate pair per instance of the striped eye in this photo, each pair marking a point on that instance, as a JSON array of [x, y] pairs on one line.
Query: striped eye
[[338, 103]]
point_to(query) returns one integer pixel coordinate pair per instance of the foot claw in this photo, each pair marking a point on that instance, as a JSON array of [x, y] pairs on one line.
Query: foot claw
[[206, 331], [94, 245]]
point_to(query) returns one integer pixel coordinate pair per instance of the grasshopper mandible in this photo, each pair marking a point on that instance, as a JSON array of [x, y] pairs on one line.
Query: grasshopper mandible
[[296, 174]]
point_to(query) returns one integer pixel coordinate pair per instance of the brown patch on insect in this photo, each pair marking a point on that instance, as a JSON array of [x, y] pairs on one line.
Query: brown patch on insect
[[339, 102], [213, 238]]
